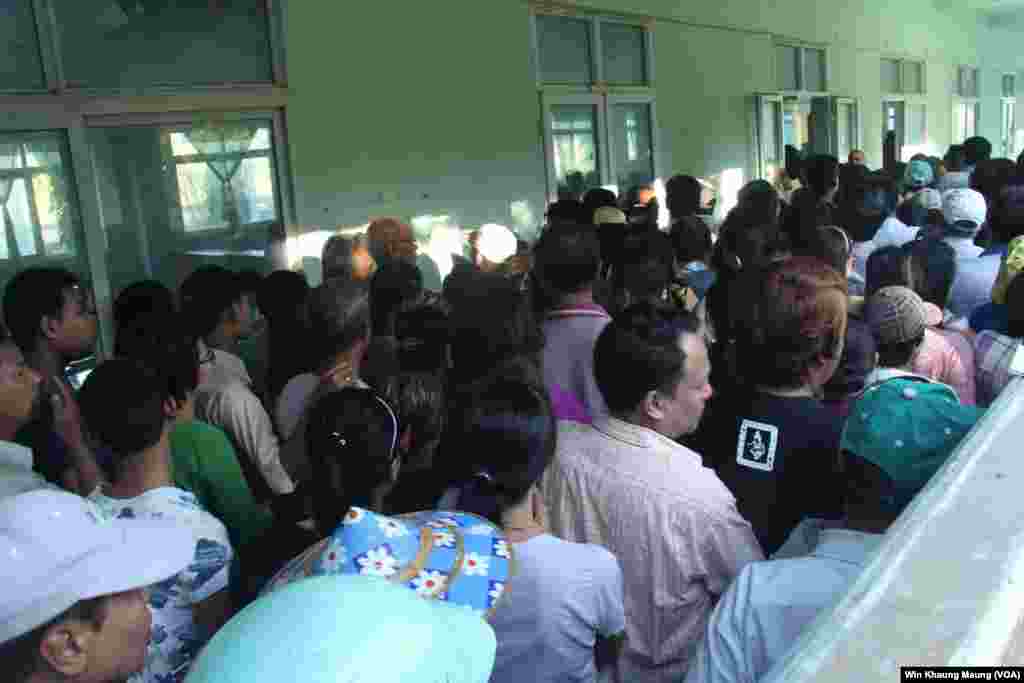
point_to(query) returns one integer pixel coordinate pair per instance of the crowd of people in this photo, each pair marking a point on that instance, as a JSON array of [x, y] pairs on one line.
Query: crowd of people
[[620, 453]]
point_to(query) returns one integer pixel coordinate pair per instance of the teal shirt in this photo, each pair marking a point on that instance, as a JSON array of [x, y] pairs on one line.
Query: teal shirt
[[203, 461]]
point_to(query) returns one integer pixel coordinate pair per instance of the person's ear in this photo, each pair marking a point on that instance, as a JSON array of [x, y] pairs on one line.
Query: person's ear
[[653, 405], [48, 327], [65, 647], [171, 407]]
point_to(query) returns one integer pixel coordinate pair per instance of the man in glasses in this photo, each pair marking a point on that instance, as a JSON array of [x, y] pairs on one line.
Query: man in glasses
[[51, 316]]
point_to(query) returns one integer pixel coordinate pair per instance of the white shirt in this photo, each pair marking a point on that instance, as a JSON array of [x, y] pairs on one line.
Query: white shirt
[[16, 473], [176, 638], [562, 596], [224, 398], [894, 233], [770, 604]]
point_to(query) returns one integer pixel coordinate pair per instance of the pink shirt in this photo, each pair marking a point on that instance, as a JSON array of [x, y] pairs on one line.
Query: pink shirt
[[669, 520], [948, 357]]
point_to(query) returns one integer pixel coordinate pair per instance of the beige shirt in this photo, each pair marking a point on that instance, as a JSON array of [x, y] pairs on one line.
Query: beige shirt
[[671, 523], [225, 398]]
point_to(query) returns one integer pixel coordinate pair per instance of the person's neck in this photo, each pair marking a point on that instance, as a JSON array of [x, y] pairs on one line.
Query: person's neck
[[47, 362], [143, 472], [221, 339], [519, 522], [344, 367], [805, 391], [8, 428], [584, 297], [640, 420]]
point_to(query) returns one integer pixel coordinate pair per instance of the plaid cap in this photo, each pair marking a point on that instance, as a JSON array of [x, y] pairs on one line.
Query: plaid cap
[[897, 315], [1012, 264], [907, 427]]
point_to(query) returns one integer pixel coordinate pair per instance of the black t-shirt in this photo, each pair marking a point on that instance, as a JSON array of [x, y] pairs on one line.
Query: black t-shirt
[[779, 457]]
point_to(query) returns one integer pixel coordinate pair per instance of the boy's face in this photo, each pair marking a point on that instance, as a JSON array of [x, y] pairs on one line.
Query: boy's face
[[116, 650], [73, 334], [19, 384]]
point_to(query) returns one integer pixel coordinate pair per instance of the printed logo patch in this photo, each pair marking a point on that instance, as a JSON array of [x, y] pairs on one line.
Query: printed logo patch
[[756, 445]]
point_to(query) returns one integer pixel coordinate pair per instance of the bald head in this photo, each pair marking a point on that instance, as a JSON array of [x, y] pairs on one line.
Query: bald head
[[390, 238], [856, 157]]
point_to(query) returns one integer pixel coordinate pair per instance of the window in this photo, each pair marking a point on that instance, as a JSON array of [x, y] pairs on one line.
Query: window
[[1009, 85], [1011, 136], [598, 108], [902, 76], [223, 176], [800, 68], [965, 120], [967, 82], [22, 66]]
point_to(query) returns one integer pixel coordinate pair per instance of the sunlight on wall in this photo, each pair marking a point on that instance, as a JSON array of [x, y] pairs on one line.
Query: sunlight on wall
[[728, 188], [445, 239], [664, 220]]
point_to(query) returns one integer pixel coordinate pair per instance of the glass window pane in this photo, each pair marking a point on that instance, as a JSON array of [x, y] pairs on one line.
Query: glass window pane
[[576, 153], [21, 67], [787, 64], [968, 82], [625, 56], [771, 114], [136, 43], [916, 124], [632, 145], [38, 214], [890, 75], [913, 77], [814, 70], [173, 199], [1009, 85], [844, 130], [564, 45]]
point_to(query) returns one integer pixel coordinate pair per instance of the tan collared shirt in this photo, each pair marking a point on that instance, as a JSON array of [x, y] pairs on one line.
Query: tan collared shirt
[[225, 398], [671, 523]]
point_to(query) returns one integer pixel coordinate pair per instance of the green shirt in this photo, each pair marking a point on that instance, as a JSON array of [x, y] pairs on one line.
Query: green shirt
[[203, 461]]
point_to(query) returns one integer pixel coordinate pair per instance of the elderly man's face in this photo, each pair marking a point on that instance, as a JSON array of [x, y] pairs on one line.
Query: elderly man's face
[[403, 245]]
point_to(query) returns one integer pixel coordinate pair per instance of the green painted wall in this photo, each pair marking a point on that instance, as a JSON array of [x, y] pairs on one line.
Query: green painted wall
[[414, 108]]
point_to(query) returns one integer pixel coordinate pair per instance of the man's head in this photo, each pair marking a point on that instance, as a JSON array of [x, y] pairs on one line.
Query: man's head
[[73, 600], [856, 157], [137, 308], [390, 238], [976, 149], [683, 195], [965, 212], [566, 259], [339, 318], [794, 313], [214, 302], [821, 172], [918, 175], [898, 318], [394, 283], [652, 368], [19, 387], [50, 307], [122, 404], [866, 205]]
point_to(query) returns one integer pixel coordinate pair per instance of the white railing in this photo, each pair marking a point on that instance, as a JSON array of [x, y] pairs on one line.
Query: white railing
[[946, 587]]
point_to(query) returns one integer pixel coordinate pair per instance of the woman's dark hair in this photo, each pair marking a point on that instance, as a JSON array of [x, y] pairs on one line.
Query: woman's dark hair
[[421, 338], [171, 352], [139, 307], [206, 295], [419, 401], [566, 259], [801, 220], [898, 354], [932, 267], [866, 206], [1015, 308], [339, 316], [508, 438], [886, 267], [492, 322], [395, 282], [743, 243], [990, 176], [646, 266], [691, 240], [283, 297], [351, 442], [760, 202], [794, 313], [639, 352]]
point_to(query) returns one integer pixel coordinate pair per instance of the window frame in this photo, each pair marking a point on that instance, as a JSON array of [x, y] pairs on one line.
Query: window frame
[[74, 110], [1008, 102], [904, 65], [801, 78], [599, 93]]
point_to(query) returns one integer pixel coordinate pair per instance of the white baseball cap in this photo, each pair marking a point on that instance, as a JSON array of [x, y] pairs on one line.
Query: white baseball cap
[[496, 243], [964, 205], [57, 549]]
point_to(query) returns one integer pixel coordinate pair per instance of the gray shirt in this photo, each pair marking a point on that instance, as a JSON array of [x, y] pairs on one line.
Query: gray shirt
[[16, 473], [568, 357]]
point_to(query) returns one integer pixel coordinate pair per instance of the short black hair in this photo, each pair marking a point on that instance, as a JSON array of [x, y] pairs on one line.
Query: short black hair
[[831, 246], [31, 295], [931, 264], [646, 266], [991, 176], [886, 267], [866, 206], [759, 201], [566, 258], [339, 316], [395, 282], [206, 295], [954, 158], [822, 173], [171, 352], [976, 149], [421, 337], [137, 309], [566, 211], [691, 240], [418, 399], [122, 403], [897, 355], [638, 351], [682, 194], [1006, 213], [1015, 308]]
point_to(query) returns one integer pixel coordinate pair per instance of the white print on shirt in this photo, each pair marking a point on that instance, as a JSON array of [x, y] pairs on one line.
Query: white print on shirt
[[757, 444]]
